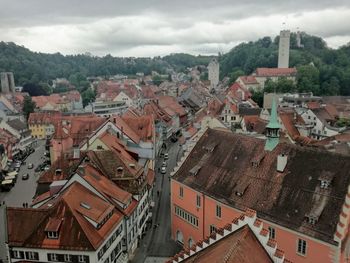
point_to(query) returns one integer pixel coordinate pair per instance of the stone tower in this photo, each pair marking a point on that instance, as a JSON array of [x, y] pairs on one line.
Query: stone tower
[[213, 73], [7, 82], [283, 51], [272, 129]]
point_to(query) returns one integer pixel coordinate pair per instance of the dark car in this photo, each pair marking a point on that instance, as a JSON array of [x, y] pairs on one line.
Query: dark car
[[25, 176]]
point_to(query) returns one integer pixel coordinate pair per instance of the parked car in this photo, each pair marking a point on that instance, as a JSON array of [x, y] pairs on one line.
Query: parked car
[[173, 139], [25, 176], [164, 164], [163, 170], [47, 167], [30, 166], [166, 156]]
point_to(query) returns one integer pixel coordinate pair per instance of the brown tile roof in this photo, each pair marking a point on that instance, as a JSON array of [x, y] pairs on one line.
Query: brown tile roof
[[126, 129], [170, 104], [255, 124], [278, 72], [104, 185], [313, 105], [288, 122], [235, 89], [241, 246], [249, 80], [143, 126], [66, 213], [109, 162], [227, 174], [43, 117]]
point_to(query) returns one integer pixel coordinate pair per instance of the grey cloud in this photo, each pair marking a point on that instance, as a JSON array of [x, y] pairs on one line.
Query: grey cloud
[[159, 27]]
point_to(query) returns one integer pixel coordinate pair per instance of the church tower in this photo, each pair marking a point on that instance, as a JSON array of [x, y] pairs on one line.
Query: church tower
[[272, 129]]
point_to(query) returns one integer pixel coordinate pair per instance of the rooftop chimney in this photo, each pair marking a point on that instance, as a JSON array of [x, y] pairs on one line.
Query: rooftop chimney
[[281, 162]]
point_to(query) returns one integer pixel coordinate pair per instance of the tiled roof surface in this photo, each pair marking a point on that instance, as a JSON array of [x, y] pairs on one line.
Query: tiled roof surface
[[242, 246], [255, 124], [283, 198], [249, 80], [267, 72], [168, 102], [75, 232]]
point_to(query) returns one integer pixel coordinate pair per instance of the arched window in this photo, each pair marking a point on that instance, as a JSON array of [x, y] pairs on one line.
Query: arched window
[[179, 237], [190, 242]]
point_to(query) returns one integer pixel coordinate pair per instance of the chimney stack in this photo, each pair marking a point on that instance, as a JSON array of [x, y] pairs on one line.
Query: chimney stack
[[281, 162]]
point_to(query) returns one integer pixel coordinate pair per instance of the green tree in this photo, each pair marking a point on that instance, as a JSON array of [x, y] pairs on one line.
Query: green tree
[[308, 79], [88, 96], [157, 80], [235, 74], [28, 106]]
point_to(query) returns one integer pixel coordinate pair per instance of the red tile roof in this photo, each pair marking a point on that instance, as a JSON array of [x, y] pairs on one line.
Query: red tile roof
[[241, 246], [275, 72], [75, 232], [170, 103], [249, 80], [236, 90], [254, 123]]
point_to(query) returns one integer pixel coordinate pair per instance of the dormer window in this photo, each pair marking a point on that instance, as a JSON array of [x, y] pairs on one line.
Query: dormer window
[[312, 220], [52, 234], [325, 184]]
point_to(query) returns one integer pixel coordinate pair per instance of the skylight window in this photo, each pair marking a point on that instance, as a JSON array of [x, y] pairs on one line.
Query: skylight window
[[85, 205]]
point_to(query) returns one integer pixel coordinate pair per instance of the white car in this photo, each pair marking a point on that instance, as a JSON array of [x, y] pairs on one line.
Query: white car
[[163, 170], [164, 164], [166, 156]]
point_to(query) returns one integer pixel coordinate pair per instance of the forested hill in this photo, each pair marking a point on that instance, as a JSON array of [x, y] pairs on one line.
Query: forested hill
[[323, 71], [33, 67]]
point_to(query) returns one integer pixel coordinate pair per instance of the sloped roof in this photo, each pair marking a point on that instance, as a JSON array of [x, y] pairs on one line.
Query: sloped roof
[[254, 123], [103, 185], [17, 124], [283, 198], [249, 80], [168, 102], [75, 232], [143, 126], [242, 246], [275, 72]]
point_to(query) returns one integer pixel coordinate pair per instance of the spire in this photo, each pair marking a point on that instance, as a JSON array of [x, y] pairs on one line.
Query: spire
[[272, 128], [273, 123]]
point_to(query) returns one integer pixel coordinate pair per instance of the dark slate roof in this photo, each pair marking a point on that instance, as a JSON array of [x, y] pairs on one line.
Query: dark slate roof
[[245, 111], [17, 124], [225, 162]]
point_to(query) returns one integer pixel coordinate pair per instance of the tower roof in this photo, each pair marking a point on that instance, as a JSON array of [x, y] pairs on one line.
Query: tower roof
[[273, 123]]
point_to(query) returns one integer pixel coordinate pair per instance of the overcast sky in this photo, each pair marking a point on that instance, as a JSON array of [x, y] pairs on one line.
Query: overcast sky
[[160, 27]]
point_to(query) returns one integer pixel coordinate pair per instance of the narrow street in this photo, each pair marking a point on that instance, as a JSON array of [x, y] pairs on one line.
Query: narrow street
[[24, 190], [157, 242]]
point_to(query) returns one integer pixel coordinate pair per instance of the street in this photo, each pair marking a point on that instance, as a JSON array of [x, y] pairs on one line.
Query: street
[[158, 242], [24, 190]]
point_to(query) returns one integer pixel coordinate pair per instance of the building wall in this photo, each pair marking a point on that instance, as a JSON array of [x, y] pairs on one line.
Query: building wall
[[38, 130], [316, 251]]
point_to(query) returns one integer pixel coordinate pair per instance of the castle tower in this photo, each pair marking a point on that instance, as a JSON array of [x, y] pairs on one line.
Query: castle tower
[[272, 129], [283, 51], [7, 82], [213, 73]]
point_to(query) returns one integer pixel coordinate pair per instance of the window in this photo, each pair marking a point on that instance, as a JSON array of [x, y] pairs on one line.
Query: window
[[32, 255], [81, 258], [181, 191], [231, 118], [272, 232], [308, 117], [212, 229], [198, 201], [52, 234], [67, 258], [52, 257], [301, 247], [189, 218], [218, 211], [18, 254]]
